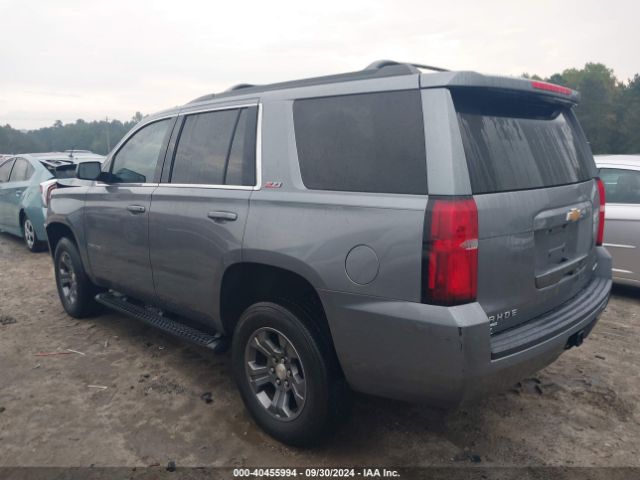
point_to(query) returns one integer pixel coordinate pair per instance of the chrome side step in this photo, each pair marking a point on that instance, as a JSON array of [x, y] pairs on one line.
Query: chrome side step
[[215, 342]]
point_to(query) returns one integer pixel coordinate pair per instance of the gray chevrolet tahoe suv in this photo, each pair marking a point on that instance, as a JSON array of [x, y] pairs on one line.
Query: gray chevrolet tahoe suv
[[422, 236]]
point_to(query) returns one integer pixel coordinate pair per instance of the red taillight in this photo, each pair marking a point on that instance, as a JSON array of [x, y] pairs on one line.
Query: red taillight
[[46, 188], [450, 262], [550, 87], [601, 194]]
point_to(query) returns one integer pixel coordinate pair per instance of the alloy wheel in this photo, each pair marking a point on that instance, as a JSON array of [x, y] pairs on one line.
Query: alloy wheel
[[29, 233], [67, 278], [275, 373]]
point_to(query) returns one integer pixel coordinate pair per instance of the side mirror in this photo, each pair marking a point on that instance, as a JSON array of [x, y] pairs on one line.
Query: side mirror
[[89, 170]]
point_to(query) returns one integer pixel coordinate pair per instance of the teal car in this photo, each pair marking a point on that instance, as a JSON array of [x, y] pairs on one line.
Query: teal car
[[22, 208]]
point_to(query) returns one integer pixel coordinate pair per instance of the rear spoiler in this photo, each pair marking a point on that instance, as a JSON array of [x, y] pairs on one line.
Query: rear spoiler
[[66, 170], [472, 79]]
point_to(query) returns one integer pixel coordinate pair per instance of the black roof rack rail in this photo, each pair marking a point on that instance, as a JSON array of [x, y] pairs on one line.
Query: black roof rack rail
[[209, 96], [240, 86], [381, 68], [392, 63]]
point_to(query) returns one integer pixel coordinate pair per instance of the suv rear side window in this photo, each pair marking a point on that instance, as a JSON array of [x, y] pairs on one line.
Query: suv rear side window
[[372, 142], [217, 148], [517, 142], [621, 186], [137, 160]]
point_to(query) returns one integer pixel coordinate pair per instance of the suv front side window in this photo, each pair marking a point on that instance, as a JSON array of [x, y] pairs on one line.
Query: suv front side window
[[137, 159]]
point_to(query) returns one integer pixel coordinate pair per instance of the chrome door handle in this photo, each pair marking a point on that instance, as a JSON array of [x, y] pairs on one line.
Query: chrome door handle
[[18, 193], [136, 209], [229, 216]]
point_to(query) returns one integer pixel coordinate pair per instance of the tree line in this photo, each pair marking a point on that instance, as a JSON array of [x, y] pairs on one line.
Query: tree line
[[97, 136], [609, 112], [609, 109]]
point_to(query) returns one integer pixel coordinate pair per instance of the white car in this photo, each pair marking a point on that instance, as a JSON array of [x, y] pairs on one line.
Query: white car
[[621, 177]]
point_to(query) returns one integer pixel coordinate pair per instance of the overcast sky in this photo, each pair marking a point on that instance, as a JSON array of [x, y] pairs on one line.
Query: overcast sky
[[67, 59]]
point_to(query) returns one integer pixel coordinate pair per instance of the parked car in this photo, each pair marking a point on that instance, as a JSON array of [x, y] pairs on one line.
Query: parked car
[[430, 237], [621, 177], [22, 210]]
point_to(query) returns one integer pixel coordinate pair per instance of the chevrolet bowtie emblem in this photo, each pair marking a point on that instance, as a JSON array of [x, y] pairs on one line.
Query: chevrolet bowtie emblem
[[574, 215]]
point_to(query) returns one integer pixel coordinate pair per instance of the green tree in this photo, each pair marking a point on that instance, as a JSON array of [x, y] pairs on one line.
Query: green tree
[[629, 117], [598, 108], [97, 136]]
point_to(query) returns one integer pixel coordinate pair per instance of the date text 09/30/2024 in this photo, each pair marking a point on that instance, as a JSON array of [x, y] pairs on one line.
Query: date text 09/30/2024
[[316, 472]]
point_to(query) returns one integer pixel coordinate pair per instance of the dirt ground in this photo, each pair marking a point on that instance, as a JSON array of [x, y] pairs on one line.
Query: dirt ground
[[582, 410]]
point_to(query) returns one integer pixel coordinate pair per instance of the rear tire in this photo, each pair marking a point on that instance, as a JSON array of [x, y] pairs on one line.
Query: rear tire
[[287, 374], [29, 236], [76, 291]]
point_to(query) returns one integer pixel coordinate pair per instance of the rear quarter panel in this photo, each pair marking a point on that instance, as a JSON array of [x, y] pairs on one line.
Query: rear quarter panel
[[312, 232], [32, 201]]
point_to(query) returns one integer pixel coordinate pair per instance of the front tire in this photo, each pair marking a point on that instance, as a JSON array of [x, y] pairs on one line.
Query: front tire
[[29, 236], [287, 374], [75, 289]]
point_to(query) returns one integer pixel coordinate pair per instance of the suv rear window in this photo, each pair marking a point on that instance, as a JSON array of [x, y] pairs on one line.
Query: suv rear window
[[372, 142], [517, 142]]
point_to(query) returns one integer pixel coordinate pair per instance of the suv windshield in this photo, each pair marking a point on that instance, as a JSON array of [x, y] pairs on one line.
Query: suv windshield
[[516, 142]]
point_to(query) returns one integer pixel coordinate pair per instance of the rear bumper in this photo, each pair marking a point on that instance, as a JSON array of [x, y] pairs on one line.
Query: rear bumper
[[445, 355]]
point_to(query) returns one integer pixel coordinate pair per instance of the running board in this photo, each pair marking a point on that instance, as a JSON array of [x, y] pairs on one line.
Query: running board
[[215, 342]]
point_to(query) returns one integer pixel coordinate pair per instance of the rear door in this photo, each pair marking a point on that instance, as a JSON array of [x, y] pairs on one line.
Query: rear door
[[116, 214], [622, 226], [531, 173], [199, 211], [14, 192]]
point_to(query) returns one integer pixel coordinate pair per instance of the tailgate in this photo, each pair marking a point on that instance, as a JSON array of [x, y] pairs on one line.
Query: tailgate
[[531, 174], [531, 256]]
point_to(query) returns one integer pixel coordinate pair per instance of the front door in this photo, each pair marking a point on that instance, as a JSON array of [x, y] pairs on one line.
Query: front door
[[117, 212]]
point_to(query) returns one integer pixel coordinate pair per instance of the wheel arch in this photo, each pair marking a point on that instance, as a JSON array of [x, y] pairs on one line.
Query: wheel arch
[[245, 283], [56, 231]]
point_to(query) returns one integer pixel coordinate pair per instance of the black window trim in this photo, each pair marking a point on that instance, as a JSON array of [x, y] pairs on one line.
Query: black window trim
[[170, 158], [162, 155]]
